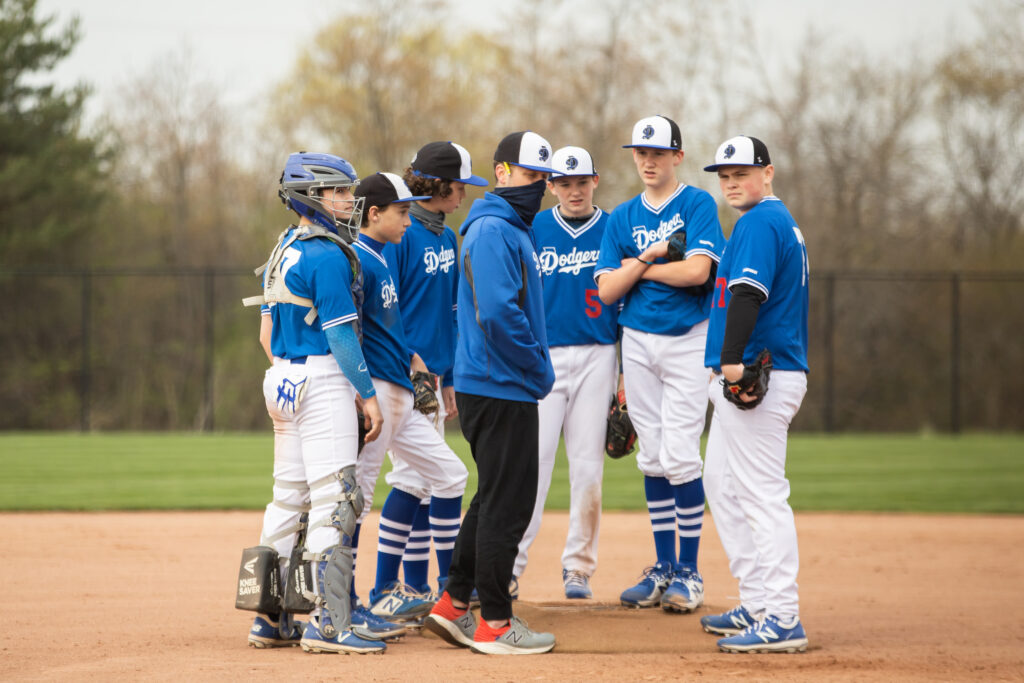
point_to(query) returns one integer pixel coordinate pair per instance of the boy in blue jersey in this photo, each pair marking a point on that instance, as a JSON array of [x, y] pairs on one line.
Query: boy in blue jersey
[[310, 329], [664, 321], [426, 274], [760, 302], [502, 368], [581, 334], [429, 465]]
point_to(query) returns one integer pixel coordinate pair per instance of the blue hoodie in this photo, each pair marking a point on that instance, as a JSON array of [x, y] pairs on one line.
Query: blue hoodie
[[503, 348]]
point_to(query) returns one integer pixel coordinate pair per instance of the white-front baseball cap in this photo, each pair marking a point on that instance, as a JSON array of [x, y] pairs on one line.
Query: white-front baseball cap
[[659, 132], [741, 150], [572, 161], [526, 149]]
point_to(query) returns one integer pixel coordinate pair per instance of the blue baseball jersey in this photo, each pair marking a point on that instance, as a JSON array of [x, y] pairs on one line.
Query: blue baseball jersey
[[384, 343], [426, 275], [568, 253], [655, 307], [766, 251], [315, 269]]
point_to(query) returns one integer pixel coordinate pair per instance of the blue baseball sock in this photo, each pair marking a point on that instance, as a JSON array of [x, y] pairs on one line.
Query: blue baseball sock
[[445, 519], [689, 499], [660, 507], [396, 519], [416, 560]]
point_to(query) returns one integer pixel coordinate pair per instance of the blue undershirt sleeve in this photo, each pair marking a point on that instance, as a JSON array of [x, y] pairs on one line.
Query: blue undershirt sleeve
[[344, 345]]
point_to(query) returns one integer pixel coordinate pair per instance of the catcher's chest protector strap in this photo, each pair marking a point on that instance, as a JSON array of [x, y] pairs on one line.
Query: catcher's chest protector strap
[[275, 290]]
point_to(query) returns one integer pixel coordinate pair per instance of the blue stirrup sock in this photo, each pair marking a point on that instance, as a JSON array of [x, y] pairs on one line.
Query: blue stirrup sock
[[689, 499], [661, 508]]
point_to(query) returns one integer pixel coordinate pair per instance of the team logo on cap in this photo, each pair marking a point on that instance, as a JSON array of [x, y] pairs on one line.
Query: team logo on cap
[[571, 163], [648, 132], [544, 153], [729, 151]]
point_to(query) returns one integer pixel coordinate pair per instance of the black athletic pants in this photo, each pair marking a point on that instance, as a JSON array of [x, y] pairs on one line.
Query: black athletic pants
[[502, 436]]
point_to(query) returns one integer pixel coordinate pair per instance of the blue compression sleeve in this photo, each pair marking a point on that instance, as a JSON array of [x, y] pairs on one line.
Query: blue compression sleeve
[[345, 346]]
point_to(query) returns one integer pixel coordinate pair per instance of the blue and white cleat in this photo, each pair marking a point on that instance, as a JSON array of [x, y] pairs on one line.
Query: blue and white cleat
[[267, 631], [686, 591], [577, 585], [369, 626], [345, 642], [728, 623], [399, 603], [652, 586], [768, 635]]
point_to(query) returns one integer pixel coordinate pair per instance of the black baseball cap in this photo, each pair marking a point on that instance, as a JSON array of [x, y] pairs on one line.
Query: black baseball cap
[[446, 161], [526, 149], [741, 150], [658, 132], [385, 188]]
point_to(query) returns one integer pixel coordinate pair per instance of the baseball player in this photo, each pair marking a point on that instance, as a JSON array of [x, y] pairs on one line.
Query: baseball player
[[502, 368], [582, 332], [424, 462], [759, 302], [311, 318], [426, 276], [664, 321]]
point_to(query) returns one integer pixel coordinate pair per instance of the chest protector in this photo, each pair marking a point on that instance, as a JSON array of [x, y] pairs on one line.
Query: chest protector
[[276, 291]]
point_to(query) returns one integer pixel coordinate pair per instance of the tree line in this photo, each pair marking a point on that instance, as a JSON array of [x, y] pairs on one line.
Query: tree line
[[889, 164]]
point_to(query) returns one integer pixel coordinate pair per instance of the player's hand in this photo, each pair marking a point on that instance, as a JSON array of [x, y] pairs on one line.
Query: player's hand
[[733, 373], [655, 251], [448, 396], [374, 418], [417, 364]]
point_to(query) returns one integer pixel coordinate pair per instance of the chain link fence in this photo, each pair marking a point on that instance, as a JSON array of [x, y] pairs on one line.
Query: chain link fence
[[173, 349]]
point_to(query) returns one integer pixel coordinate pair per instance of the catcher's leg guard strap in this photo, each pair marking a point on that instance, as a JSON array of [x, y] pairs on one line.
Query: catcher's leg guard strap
[[350, 502]]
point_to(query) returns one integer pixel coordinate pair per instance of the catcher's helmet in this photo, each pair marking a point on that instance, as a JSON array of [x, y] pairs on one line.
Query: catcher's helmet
[[304, 178]]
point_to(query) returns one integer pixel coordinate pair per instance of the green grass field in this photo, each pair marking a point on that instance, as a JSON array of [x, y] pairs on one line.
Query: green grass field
[[977, 473]]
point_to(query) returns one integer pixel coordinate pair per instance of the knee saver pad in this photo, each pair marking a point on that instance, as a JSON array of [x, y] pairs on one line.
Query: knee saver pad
[[259, 587]]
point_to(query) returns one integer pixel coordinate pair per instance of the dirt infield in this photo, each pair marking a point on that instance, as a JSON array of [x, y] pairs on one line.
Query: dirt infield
[[128, 596]]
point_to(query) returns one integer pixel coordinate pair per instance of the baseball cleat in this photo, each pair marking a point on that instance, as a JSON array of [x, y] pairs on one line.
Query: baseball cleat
[[398, 602], [648, 592], [452, 626], [514, 639], [728, 623], [685, 593], [369, 626], [577, 585], [268, 632], [767, 635], [341, 642], [513, 592]]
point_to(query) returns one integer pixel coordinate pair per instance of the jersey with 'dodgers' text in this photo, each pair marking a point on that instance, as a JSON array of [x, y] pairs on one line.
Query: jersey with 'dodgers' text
[[568, 254], [655, 307]]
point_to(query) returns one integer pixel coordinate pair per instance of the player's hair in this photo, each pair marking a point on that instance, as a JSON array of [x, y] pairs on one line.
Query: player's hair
[[434, 187], [366, 212]]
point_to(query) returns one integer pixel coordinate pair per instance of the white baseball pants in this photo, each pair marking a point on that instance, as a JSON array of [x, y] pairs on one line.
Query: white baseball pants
[[666, 391], [748, 493]]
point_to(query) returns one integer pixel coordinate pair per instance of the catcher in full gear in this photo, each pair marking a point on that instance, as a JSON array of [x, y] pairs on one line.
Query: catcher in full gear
[[310, 323]]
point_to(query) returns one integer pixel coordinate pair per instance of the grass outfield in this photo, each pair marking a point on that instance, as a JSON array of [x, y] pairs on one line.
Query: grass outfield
[[979, 473]]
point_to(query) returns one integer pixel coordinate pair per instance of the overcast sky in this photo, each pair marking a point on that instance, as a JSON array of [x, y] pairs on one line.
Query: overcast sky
[[245, 45]]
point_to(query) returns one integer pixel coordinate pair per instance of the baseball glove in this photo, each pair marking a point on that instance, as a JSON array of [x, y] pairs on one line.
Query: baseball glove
[[363, 431], [620, 437], [424, 389], [753, 382], [677, 245]]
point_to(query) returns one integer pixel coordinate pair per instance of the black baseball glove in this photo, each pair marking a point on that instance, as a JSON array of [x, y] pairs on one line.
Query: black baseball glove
[[424, 389], [620, 437], [677, 245], [753, 382]]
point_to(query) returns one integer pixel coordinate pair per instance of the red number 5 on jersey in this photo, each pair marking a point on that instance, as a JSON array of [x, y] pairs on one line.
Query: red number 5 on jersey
[[593, 303]]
